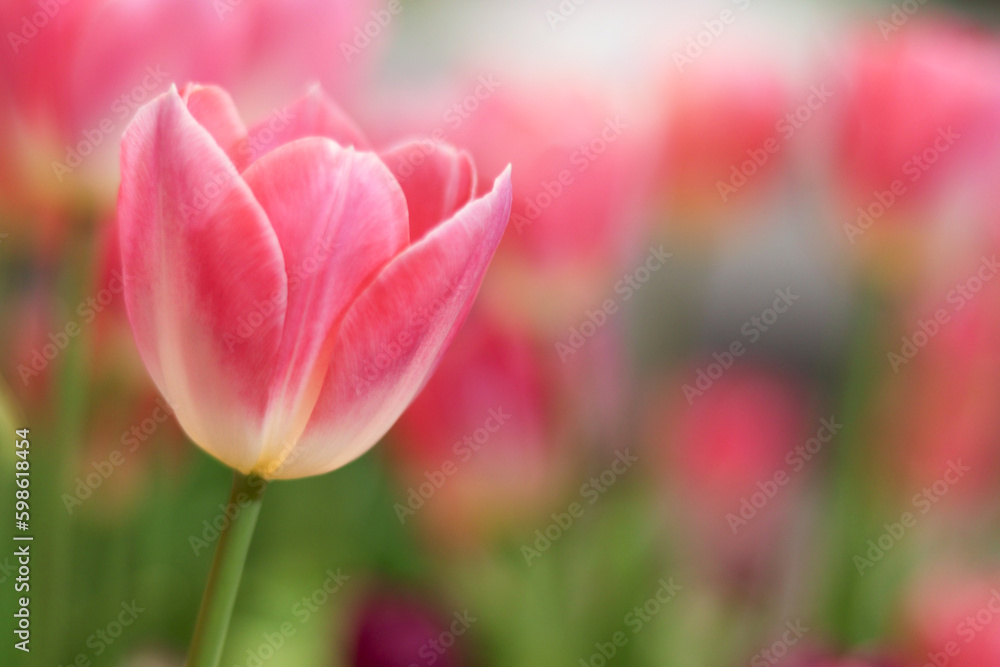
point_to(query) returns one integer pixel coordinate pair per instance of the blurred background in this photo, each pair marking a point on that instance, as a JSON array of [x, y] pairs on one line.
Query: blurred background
[[729, 395]]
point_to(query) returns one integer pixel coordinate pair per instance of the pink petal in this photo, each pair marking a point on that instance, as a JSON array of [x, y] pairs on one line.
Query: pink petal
[[311, 116], [204, 278], [214, 110], [393, 336], [436, 185], [339, 216]]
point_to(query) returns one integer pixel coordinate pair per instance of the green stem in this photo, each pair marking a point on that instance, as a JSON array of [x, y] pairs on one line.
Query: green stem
[[852, 503], [227, 569]]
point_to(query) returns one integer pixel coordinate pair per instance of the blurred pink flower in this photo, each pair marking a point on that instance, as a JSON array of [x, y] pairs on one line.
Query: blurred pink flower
[[731, 467], [72, 74], [397, 629], [582, 177], [953, 618], [480, 448], [725, 134], [276, 295], [919, 116], [943, 406], [734, 437]]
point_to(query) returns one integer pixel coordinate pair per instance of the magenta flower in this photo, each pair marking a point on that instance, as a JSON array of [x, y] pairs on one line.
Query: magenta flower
[[275, 292]]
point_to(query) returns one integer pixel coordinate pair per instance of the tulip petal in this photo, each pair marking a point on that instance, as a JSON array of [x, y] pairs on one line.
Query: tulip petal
[[213, 109], [204, 279], [392, 337], [443, 182], [313, 115], [339, 216]]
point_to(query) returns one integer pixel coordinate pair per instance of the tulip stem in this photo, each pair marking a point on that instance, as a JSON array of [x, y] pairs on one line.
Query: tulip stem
[[227, 569]]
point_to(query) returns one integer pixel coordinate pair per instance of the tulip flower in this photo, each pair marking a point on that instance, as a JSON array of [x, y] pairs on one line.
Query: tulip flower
[[482, 446], [726, 130], [277, 296], [285, 308], [734, 435], [729, 449], [894, 166]]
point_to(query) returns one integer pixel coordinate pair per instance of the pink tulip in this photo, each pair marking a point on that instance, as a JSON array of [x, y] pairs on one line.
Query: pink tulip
[[480, 447], [274, 289], [725, 134], [725, 454], [734, 436], [918, 115]]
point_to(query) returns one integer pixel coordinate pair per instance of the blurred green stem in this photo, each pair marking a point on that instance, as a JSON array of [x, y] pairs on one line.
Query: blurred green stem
[[227, 569], [73, 385], [852, 480]]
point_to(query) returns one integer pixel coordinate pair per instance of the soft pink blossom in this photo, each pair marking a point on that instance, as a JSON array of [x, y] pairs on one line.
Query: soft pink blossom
[[277, 295]]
